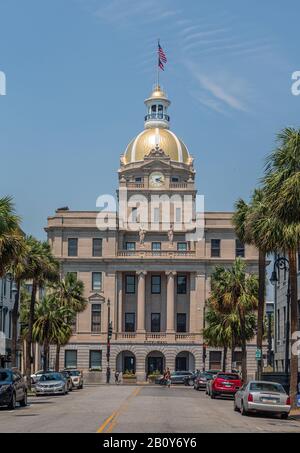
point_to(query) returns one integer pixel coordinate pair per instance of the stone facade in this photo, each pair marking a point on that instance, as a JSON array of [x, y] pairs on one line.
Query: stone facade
[[147, 264]]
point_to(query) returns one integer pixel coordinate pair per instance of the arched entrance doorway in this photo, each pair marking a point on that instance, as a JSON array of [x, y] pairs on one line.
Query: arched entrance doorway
[[155, 362], [185, 361], [126, 362]]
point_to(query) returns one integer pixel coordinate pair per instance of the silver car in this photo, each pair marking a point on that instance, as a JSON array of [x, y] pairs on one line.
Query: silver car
[[51, 384], [263, 397]]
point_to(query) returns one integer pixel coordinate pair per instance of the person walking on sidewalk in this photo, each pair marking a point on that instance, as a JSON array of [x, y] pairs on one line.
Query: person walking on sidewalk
[[117, 375]]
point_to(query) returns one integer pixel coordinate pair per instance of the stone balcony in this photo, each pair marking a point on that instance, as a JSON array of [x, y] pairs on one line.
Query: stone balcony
[[160, 254], [157, 338]]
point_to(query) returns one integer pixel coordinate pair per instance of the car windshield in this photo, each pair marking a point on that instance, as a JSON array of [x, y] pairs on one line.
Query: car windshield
[[266, 387], [51, 377], [228, 377], [74, 373], [5, 376]]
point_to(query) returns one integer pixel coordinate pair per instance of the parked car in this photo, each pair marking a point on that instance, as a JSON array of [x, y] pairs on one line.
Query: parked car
[[13, 388], [224, 384], [262, 397], [177, 377], [202, 379], [77, 378], [37, 375], [189, 380], [68, 377], [51, 384]]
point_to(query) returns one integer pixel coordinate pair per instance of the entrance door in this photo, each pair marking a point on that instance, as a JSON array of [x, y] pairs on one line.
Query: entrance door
[[155, 364], [129, 364], [181, 364]]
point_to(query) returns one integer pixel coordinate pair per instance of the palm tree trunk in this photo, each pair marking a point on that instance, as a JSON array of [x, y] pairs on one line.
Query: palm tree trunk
[[29, 335], [57, 355], [294, 327], [261, 306], [46, 356], [14, 318], [244, 348], [225, 349], [232, 354]]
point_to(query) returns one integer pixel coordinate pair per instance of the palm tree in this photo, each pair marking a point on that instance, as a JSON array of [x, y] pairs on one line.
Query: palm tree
[[248, 219], [43, 268], [69, 292], [10, 234], [282, 186], [217, 333], [235, 292], [50, 325]]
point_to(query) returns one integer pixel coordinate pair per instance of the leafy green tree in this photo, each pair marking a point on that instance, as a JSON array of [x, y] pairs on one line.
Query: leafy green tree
[[234, 292], [50, 325], [10, 234], [282, 188]]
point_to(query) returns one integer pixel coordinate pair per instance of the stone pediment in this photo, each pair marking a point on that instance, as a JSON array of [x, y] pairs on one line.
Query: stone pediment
[[155, 153], [96, 297]]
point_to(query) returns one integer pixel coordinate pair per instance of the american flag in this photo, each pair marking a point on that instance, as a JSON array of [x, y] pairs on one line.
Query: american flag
[[161, 57]]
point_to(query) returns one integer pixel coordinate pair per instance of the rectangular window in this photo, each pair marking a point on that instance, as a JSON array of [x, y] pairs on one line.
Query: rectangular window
[[96, 360], [96, 281], [138, 179], [182, 246], [97, 247], [130, 246], [129, 322], [215, 358], [181, 284], [239, 249], [73, 274], [134, 215], [96, 318], [175, 179], [130, 284], [74, 325], [155, 322], [215, 248], [181, 322], [70, 359], [237, 358], [72, 247], [156, 246], [155, 284]]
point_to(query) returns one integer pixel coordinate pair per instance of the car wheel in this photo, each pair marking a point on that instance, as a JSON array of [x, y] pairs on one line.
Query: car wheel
[[235, 408], [191, 382], [13, 402], [23, 402], [243, 411], [284, 416]]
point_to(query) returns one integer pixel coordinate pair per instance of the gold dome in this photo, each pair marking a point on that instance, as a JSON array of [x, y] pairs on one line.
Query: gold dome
[[141, 146], [158, 93]]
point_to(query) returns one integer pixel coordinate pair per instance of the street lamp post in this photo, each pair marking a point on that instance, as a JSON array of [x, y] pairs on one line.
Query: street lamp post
[[270, 311], [282, 263], [109, 335]]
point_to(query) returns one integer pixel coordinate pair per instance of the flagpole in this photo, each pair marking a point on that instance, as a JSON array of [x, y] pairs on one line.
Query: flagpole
[[158, 65]]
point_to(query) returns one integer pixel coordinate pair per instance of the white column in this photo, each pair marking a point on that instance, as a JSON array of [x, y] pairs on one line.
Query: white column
[[141, 301], [171, 301]]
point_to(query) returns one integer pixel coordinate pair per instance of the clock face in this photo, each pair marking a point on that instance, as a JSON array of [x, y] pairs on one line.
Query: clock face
[[157, 179]]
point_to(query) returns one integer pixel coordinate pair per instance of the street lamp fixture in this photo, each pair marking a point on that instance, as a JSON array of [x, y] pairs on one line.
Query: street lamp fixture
[[282, 263]]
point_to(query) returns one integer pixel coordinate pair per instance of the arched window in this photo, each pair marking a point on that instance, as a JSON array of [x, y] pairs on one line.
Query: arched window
[[153, 108]]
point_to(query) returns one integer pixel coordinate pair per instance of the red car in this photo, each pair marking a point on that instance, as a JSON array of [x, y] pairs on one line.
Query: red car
[[225, 384]]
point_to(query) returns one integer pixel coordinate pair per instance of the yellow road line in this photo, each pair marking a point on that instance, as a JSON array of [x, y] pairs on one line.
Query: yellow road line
[[111, 421], [107, 421]]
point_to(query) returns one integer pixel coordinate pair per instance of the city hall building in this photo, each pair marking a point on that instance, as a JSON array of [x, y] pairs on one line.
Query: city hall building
[[148, 274]]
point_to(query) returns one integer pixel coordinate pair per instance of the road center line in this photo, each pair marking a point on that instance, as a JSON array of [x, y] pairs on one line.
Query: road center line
[[110, 422]]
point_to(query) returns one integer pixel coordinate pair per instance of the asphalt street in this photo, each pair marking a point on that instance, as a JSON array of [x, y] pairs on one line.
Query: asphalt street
[[135, 409]]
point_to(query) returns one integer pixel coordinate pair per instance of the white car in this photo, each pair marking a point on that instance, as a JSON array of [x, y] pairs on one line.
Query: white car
[[77, 378], [262, 397]]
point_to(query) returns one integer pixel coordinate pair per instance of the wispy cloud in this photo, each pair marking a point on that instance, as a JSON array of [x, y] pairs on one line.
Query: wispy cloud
[[219, 92]]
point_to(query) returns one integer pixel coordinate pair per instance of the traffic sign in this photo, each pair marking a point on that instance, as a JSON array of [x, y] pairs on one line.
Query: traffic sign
[[258, 354]]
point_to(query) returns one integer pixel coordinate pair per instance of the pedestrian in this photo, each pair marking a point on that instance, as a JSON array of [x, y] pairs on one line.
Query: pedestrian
[[117, 375], [168, 378]]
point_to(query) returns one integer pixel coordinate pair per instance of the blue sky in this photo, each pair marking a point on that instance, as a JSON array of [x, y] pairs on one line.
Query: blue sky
[[78, 72]]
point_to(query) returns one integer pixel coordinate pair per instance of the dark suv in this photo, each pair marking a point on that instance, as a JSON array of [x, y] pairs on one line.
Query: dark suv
[[13, 388]]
